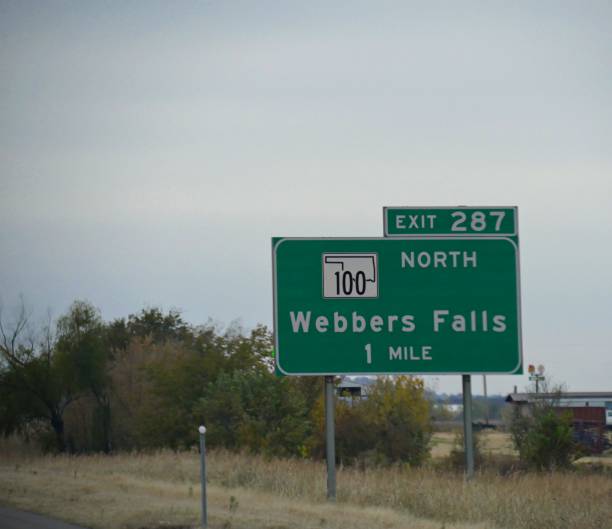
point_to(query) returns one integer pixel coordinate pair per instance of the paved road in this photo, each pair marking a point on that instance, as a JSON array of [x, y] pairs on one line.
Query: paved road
[[13, 519]]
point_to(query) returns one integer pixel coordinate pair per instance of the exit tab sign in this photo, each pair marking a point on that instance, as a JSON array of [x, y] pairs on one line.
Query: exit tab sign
[[450, 221]]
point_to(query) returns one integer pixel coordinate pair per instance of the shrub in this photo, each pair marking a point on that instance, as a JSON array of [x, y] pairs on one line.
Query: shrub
[[456, 458], [391, 424], [255, 410], [543, 437]]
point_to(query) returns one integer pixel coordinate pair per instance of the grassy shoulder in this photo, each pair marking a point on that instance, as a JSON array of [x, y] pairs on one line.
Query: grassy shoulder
[[161, 490]]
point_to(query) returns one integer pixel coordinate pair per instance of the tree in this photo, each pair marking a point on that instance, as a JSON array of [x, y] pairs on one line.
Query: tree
[[83, 351], [159, 327], [144, 381], [179, 368], [398, 408], [34, 385], [256, 410], [542, 435], [391, 424]]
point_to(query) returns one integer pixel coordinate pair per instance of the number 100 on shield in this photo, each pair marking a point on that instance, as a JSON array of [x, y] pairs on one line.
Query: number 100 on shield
[[350, 275]]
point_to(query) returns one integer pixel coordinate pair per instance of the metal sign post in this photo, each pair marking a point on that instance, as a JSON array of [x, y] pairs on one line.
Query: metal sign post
[[486, 398], [468, 435], [202, 430], [330, 438]]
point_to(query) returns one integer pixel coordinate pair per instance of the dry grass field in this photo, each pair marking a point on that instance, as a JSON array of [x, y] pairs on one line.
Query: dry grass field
[[491, 443], [161, 490]]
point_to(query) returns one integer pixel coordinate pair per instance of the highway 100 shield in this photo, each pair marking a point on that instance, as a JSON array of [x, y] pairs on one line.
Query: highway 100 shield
[[384, 306]]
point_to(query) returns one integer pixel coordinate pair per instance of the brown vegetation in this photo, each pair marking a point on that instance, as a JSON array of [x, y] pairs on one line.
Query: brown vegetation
[[161, 490]]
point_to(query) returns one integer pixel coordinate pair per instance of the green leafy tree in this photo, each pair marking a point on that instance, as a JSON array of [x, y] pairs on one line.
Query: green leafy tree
[[542, 435], [391, 424], [256, 410], [145, 380], [399, 410], [159, 327], [83, 351], [35, 386], [182, 369]]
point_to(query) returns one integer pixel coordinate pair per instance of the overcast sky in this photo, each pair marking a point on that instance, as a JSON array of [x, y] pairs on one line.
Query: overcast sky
[[149, 150]]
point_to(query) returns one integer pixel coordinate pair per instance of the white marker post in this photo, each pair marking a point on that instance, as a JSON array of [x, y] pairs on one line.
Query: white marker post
[[202, 430]]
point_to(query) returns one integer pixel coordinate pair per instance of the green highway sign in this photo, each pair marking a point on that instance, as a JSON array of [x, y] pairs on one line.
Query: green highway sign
[[391, 305], [446, 221]]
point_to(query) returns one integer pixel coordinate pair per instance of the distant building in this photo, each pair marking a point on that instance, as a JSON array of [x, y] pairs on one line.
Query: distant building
[[591, 411], [350, 390], [453, 408]]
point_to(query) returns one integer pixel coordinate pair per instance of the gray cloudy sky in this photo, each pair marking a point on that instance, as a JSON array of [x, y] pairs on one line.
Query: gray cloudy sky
[[149, 150]]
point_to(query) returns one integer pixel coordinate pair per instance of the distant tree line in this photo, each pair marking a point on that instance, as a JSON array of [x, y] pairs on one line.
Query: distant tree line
[[80, 384]]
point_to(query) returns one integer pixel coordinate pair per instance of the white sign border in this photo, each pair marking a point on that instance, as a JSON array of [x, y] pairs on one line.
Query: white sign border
[[280, 240]]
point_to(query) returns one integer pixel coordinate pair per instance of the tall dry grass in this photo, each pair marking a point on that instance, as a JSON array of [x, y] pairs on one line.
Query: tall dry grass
[[396, 497]]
